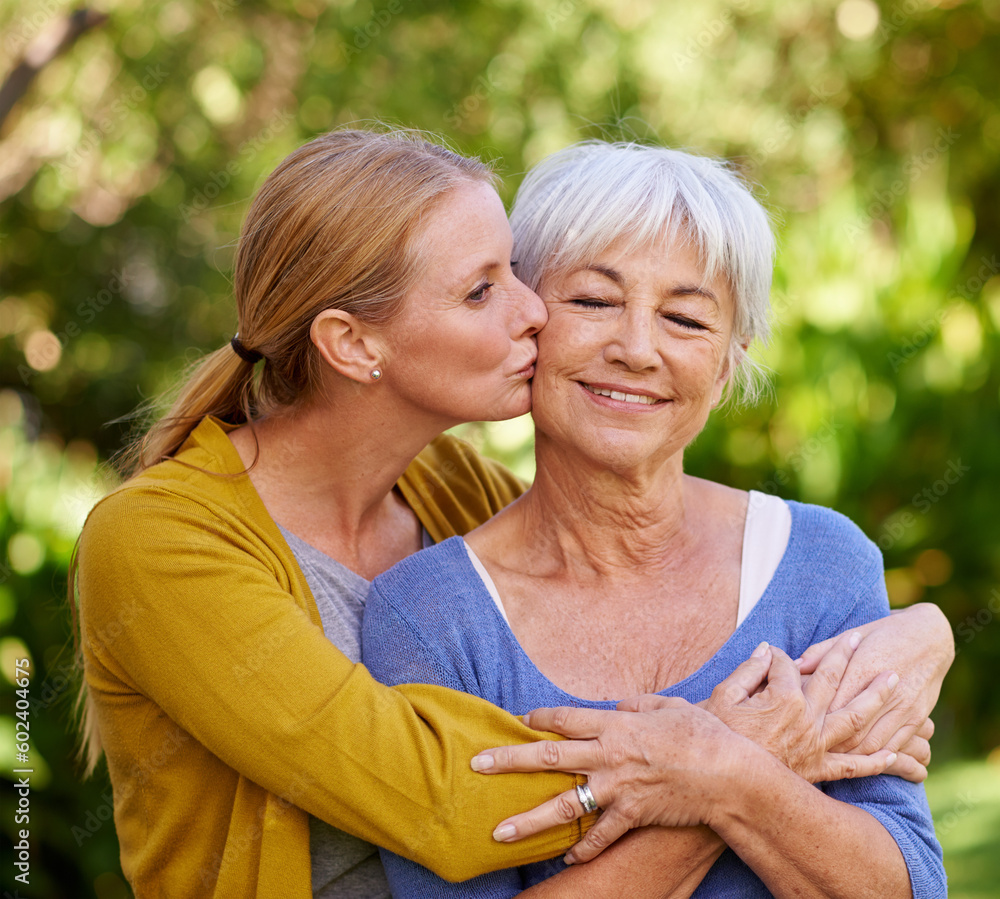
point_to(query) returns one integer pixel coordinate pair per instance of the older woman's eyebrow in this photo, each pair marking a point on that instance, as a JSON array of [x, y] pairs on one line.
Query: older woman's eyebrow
[[691, 290], [610, 273]]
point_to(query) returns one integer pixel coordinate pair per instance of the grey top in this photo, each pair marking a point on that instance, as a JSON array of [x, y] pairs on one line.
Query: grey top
[[342, 865]]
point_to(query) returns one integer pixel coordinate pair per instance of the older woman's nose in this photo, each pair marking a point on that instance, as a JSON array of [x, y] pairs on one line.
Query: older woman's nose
[[634, 343]]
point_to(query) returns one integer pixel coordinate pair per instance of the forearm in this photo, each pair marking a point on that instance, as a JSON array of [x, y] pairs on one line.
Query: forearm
[[166, 621], [649, 863], [803, 843], [446, 819]]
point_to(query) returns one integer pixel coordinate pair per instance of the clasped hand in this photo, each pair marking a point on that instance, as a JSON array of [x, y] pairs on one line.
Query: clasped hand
[[660, 760]]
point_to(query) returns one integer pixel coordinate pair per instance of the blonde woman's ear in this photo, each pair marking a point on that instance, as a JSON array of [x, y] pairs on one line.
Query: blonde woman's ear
[[347, 344]]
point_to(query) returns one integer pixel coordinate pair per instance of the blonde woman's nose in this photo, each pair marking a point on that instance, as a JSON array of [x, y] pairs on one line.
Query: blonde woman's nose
[[534, 315]]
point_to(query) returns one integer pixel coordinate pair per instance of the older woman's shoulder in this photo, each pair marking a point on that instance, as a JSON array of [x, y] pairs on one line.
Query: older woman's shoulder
[[833, 569], [436, 583], [429, 618], [822, 520], [832, 540]]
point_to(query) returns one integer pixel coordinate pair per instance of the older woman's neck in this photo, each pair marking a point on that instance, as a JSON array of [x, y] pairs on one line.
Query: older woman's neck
[[611, 518]]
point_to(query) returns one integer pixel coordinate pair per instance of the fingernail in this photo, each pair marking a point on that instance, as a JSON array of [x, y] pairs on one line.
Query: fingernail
[[526, 718], [761, 650], [893, 680], [481, 762], [855, 640], [504, 833], [568, 859], [892, 759], [799, 663]]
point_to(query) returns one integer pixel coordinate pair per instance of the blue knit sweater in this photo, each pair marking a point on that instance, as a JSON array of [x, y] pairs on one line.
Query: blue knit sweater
[[430, 619]]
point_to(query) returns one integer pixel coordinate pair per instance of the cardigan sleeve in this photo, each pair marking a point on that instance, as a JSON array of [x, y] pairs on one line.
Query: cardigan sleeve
[[898, 805], [396, 654], [182, 607], [453, 489]]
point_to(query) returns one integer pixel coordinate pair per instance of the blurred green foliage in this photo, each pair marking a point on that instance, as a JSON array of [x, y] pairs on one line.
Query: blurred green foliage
[[965, 801], [873, 132]]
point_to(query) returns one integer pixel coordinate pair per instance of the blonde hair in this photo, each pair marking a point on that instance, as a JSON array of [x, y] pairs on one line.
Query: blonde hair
[[337, 225]]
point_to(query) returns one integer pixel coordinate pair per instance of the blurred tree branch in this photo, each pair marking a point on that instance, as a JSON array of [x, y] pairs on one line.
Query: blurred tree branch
[[52, 42]]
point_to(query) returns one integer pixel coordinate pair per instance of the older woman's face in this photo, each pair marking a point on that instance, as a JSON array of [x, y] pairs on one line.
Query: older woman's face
[[634, 354]]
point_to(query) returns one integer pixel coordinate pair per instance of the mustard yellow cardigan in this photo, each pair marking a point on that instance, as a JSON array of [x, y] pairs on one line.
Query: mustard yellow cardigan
[[227, 717]]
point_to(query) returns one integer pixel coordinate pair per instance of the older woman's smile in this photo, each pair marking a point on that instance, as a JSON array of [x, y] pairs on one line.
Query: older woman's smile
[[621, 394]]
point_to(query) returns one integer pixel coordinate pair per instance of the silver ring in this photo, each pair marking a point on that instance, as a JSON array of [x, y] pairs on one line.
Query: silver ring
[[586, 798]]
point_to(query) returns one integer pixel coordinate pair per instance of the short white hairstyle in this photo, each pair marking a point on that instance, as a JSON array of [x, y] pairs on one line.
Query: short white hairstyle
[[577, 202]]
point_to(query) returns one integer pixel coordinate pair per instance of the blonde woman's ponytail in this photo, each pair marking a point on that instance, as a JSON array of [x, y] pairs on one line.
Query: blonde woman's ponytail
[[221, 385]]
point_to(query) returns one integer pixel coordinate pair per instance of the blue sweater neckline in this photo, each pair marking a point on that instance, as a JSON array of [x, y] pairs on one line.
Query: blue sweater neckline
[[462, 570]]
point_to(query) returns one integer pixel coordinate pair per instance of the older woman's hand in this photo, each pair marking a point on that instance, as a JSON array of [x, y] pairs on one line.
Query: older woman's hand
[[738, 701], [667, 767], [793, 721]]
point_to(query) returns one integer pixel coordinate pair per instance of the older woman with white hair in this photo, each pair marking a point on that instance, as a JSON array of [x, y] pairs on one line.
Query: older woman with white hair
[[655, 267]]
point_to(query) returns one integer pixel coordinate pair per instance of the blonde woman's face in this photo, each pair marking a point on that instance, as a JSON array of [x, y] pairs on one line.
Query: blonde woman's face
[[463, 348]]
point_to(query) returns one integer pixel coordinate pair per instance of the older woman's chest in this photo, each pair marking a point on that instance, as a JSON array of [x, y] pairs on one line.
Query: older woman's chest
[[616, 640]]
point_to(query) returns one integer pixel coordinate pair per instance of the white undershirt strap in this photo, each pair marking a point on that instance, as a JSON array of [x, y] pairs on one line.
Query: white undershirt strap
[[487, 580], [765, 538]]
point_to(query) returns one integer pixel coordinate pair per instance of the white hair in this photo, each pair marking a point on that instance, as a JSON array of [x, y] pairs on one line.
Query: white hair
[[577, 202]]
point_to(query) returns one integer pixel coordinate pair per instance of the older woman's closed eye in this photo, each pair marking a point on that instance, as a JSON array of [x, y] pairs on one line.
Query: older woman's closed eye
[[618, 574]]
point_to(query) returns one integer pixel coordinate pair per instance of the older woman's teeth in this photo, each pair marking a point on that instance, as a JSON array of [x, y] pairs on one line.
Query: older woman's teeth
[[626, 397]]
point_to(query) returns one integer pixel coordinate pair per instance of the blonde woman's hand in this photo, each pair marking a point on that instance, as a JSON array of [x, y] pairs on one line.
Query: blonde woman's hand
[[673, 766], [912, 760]]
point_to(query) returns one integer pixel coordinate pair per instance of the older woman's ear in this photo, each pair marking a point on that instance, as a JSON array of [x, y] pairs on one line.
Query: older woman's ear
[[729, 366], [348, 345]]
